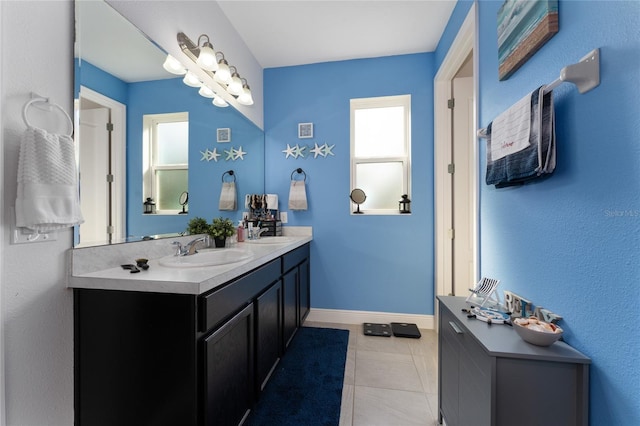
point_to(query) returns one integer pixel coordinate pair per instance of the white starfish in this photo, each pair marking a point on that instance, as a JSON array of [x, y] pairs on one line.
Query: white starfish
[[206, 155], [239, 153], [327, 149], [289, 152], [317, 150], [213, 155]]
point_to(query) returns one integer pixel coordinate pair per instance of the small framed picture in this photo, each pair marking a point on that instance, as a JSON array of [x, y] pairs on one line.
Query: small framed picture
[[224, 135], [305, 130]]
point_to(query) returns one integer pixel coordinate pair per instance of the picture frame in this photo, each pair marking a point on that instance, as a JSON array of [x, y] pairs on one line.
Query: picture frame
[[524, 26], [224, 135], [305, 130]]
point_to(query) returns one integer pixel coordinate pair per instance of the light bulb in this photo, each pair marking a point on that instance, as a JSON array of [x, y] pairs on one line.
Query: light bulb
[[223, 75], [245, 97], [207, 57], [219, 102], [206, 91], [235, 87], [190, 79], [174, 66]]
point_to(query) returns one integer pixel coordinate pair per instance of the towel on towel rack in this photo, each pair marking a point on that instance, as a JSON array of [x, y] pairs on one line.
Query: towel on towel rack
[[228, 198], [47, 198], [297, 195], [535, 160]]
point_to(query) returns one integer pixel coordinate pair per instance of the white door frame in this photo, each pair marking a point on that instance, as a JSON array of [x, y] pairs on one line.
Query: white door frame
[[464, 43], [119, 157]]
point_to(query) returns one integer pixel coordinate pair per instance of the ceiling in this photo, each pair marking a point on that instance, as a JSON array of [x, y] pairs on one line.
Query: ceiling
[[283, 33], [278, 33]]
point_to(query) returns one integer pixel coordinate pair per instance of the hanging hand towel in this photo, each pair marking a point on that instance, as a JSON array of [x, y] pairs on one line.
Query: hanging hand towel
[[537, 159], [47, 197], [228, 198], [297, 195]]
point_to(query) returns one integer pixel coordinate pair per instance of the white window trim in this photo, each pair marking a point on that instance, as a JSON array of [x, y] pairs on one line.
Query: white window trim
[[149, 124], [382, 102]]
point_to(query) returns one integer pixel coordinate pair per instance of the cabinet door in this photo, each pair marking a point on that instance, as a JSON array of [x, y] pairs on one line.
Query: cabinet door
[[304, 285], [268, 334], [449, 372], [228, 370], [290, 305]]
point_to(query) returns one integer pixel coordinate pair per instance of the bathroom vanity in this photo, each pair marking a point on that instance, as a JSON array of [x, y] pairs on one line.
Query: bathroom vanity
[[185, 346], [488, 375]]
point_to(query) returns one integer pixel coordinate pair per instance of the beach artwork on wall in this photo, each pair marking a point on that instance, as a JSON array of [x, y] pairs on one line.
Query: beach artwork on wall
[[523, 27]]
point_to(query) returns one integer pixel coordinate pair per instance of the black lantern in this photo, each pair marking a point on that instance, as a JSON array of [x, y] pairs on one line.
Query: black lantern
[[404, 205], [149, 206]]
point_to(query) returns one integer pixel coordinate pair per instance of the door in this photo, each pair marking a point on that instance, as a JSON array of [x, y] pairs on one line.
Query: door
[[462, 186], [94, 167]]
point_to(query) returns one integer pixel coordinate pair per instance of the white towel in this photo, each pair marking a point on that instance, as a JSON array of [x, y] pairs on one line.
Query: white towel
[[297, 195], [228, 198], [47, 197], [272, 201], [510, 131]]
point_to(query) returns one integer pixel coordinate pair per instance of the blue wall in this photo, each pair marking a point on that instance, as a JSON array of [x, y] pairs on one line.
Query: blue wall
[[364, 262], [571, 243]]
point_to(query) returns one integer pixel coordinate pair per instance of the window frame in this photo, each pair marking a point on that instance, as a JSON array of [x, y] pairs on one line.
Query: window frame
[[150, 155], [382, 102]]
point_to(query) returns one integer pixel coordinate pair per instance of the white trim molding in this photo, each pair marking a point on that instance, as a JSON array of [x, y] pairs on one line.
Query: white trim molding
[[425, 322]]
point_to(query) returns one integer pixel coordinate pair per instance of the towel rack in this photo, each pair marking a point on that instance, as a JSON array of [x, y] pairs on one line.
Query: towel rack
[[35, 99], [300, 172], [585, 74], [230, 173]]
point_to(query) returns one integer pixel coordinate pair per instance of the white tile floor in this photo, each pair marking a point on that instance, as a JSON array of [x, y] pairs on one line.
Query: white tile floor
[[389, 381]]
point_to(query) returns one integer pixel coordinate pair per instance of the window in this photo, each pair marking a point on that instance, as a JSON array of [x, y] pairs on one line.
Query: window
[[381, 151], [165, 159]]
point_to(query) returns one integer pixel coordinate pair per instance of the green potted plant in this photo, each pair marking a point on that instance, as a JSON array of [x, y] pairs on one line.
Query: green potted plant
[[197, 225], [220, 229]]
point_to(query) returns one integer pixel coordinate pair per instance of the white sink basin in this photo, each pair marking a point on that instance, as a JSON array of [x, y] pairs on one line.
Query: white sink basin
[[271, 240], [213, 257]]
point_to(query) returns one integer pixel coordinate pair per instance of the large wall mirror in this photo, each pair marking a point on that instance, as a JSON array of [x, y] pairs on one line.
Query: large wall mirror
[[119, 79]]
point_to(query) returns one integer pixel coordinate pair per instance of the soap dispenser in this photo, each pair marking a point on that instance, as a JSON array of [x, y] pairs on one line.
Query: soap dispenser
[[240, 232]]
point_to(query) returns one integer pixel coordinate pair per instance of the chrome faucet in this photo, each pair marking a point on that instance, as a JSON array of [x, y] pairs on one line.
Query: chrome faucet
[[189, 248]]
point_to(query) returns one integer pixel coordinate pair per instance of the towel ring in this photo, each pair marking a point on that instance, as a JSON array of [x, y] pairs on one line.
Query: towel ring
[[230, 173], [46, 101], [299, 171]]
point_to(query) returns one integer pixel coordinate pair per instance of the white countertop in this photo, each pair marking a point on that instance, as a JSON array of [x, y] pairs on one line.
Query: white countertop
[[161, 279]]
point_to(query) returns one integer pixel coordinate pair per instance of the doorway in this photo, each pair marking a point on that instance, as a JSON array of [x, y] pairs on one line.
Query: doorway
[[456, 165], [100, 143]]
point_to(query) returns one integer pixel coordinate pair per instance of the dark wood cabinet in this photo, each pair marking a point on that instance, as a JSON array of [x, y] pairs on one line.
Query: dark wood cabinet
[[143, 358], [228, 371], [489, 376]]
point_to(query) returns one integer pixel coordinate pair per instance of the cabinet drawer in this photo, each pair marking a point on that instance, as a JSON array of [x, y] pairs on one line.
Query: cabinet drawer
[[222, 303], [294, 257]]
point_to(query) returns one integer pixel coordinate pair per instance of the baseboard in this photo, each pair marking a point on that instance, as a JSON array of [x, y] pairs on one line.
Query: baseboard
[[425, 322]]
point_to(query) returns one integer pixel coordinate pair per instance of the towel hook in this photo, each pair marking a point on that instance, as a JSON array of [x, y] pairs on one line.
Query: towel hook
[[230, 173], [299, 171]]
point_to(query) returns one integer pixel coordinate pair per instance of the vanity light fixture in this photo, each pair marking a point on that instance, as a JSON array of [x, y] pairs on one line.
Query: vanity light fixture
[[235, 87], [207, 57], [245, 97], [174, 66], [190, 79], [205, 91], [223, 75], [215, 67], [219, 102]]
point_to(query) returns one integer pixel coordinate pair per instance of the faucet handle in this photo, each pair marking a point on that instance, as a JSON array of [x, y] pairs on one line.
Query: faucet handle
[[179, 248]]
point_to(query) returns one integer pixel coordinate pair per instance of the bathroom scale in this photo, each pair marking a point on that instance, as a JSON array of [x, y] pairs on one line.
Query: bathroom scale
[[403, 329], [371, 329]]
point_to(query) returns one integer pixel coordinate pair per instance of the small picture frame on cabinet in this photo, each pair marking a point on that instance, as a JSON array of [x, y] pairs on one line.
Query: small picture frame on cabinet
[[224, 135], [305, 130]]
